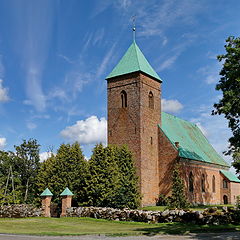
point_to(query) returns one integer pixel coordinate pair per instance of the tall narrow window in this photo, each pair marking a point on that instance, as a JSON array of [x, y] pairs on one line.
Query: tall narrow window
[[124, 99], [213, 184], [151, 100], [203, 183], [225, 183], [191, 182]]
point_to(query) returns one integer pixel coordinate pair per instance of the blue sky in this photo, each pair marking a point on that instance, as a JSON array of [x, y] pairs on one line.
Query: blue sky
[[55, 55]]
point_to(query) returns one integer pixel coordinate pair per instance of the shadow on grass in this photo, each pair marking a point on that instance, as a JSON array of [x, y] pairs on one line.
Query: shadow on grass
[[182, 229]]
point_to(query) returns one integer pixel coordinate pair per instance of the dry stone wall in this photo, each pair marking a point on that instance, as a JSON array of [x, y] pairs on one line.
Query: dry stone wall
[[19, 211], [208, 216]]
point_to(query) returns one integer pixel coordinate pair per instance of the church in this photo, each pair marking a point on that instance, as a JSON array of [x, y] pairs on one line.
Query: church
[[159, 140]]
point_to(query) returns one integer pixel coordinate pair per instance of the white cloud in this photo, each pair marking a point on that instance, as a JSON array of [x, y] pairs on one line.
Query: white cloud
[[210, 73], [216, 129], [32, 23], [89, 131], [3, 142], [3, 93], [31, 125], [105, 61], [165, 15], [168, 62], [44, 156], [171, 106]]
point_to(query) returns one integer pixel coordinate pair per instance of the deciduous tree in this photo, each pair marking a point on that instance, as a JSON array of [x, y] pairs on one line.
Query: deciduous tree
[[229, 85]]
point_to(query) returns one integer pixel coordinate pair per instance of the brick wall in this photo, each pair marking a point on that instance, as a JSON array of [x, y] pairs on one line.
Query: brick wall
[[235, 191], [136, 126], [168, 156], [198, 196]]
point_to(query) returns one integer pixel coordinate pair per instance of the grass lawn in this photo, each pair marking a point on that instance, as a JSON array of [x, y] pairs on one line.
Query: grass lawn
[[81, 226]]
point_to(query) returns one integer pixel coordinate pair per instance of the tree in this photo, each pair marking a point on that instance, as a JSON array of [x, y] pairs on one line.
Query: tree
[[27, 165], [113, 181], [128, 194], [10, 184], [104, 177], [229, 84], [178, 198], [67, 169]]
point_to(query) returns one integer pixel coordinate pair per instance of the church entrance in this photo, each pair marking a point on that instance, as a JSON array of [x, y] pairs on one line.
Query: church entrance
[[225, 199]]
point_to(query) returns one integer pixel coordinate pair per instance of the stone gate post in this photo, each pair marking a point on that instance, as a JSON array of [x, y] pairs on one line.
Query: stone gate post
[[46, 202], [66, 200]]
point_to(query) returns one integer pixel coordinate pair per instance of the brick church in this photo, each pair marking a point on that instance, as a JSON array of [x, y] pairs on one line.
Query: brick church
[[159, 140]]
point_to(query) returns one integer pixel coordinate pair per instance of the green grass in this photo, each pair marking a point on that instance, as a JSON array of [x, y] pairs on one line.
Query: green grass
[[81, 226], [197, 208]]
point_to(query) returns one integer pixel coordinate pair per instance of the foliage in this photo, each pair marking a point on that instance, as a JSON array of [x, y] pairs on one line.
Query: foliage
[[27, 163], [162, 200], [113, 181], [178, 198], [18, 171], [229, 84], [128, 194], [238, 202], [104, 177], [236, 163], [67, 169]]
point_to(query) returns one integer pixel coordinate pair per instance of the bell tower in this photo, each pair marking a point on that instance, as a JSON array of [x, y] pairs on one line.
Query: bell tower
[[134, 112]]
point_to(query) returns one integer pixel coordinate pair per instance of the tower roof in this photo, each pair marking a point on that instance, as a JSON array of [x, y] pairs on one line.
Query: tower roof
[[133, 61], [46, 193], [66, 192]]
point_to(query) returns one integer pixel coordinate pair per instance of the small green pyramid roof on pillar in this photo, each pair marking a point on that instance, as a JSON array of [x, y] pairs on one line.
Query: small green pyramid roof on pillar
[[133, 61], [46, 193], [66, 192]]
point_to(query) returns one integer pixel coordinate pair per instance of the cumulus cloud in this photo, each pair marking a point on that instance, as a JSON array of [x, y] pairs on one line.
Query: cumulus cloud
[[44, 156], [171, 105], [3, 143], [89, 131]]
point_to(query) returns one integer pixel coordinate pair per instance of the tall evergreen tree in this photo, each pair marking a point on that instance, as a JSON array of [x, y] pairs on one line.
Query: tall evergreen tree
[[128, 194], [67, 169], [104, 177], [178, 198]]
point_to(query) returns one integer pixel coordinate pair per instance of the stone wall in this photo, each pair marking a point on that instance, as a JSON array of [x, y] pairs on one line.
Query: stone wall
[[208, 216], [19, 211]]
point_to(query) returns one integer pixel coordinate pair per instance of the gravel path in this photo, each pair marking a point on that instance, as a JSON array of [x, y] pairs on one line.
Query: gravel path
[[214, 236]]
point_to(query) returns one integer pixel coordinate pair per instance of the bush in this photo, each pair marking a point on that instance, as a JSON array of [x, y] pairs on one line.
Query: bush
[[163, 200], [238, 202]]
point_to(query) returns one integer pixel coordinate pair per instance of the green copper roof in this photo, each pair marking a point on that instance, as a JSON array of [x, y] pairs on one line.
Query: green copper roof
[[66, 192], [230, 176], [46, 193], [193, 144], [133, 61]]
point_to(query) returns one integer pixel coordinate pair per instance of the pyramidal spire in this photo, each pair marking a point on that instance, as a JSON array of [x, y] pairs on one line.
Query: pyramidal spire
[[133, 61]]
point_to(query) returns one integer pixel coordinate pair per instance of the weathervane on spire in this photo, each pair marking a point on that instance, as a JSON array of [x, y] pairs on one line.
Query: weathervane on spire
[[134, 27]]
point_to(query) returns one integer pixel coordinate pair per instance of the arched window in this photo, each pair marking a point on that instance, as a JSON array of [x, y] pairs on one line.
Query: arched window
[[151, 100], [191, 182], [203, 183], [213, 184], [124, 99], [225, 183]]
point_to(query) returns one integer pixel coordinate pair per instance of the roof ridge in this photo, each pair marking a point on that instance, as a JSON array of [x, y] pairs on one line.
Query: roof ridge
[[135, 48], [181, 119]]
